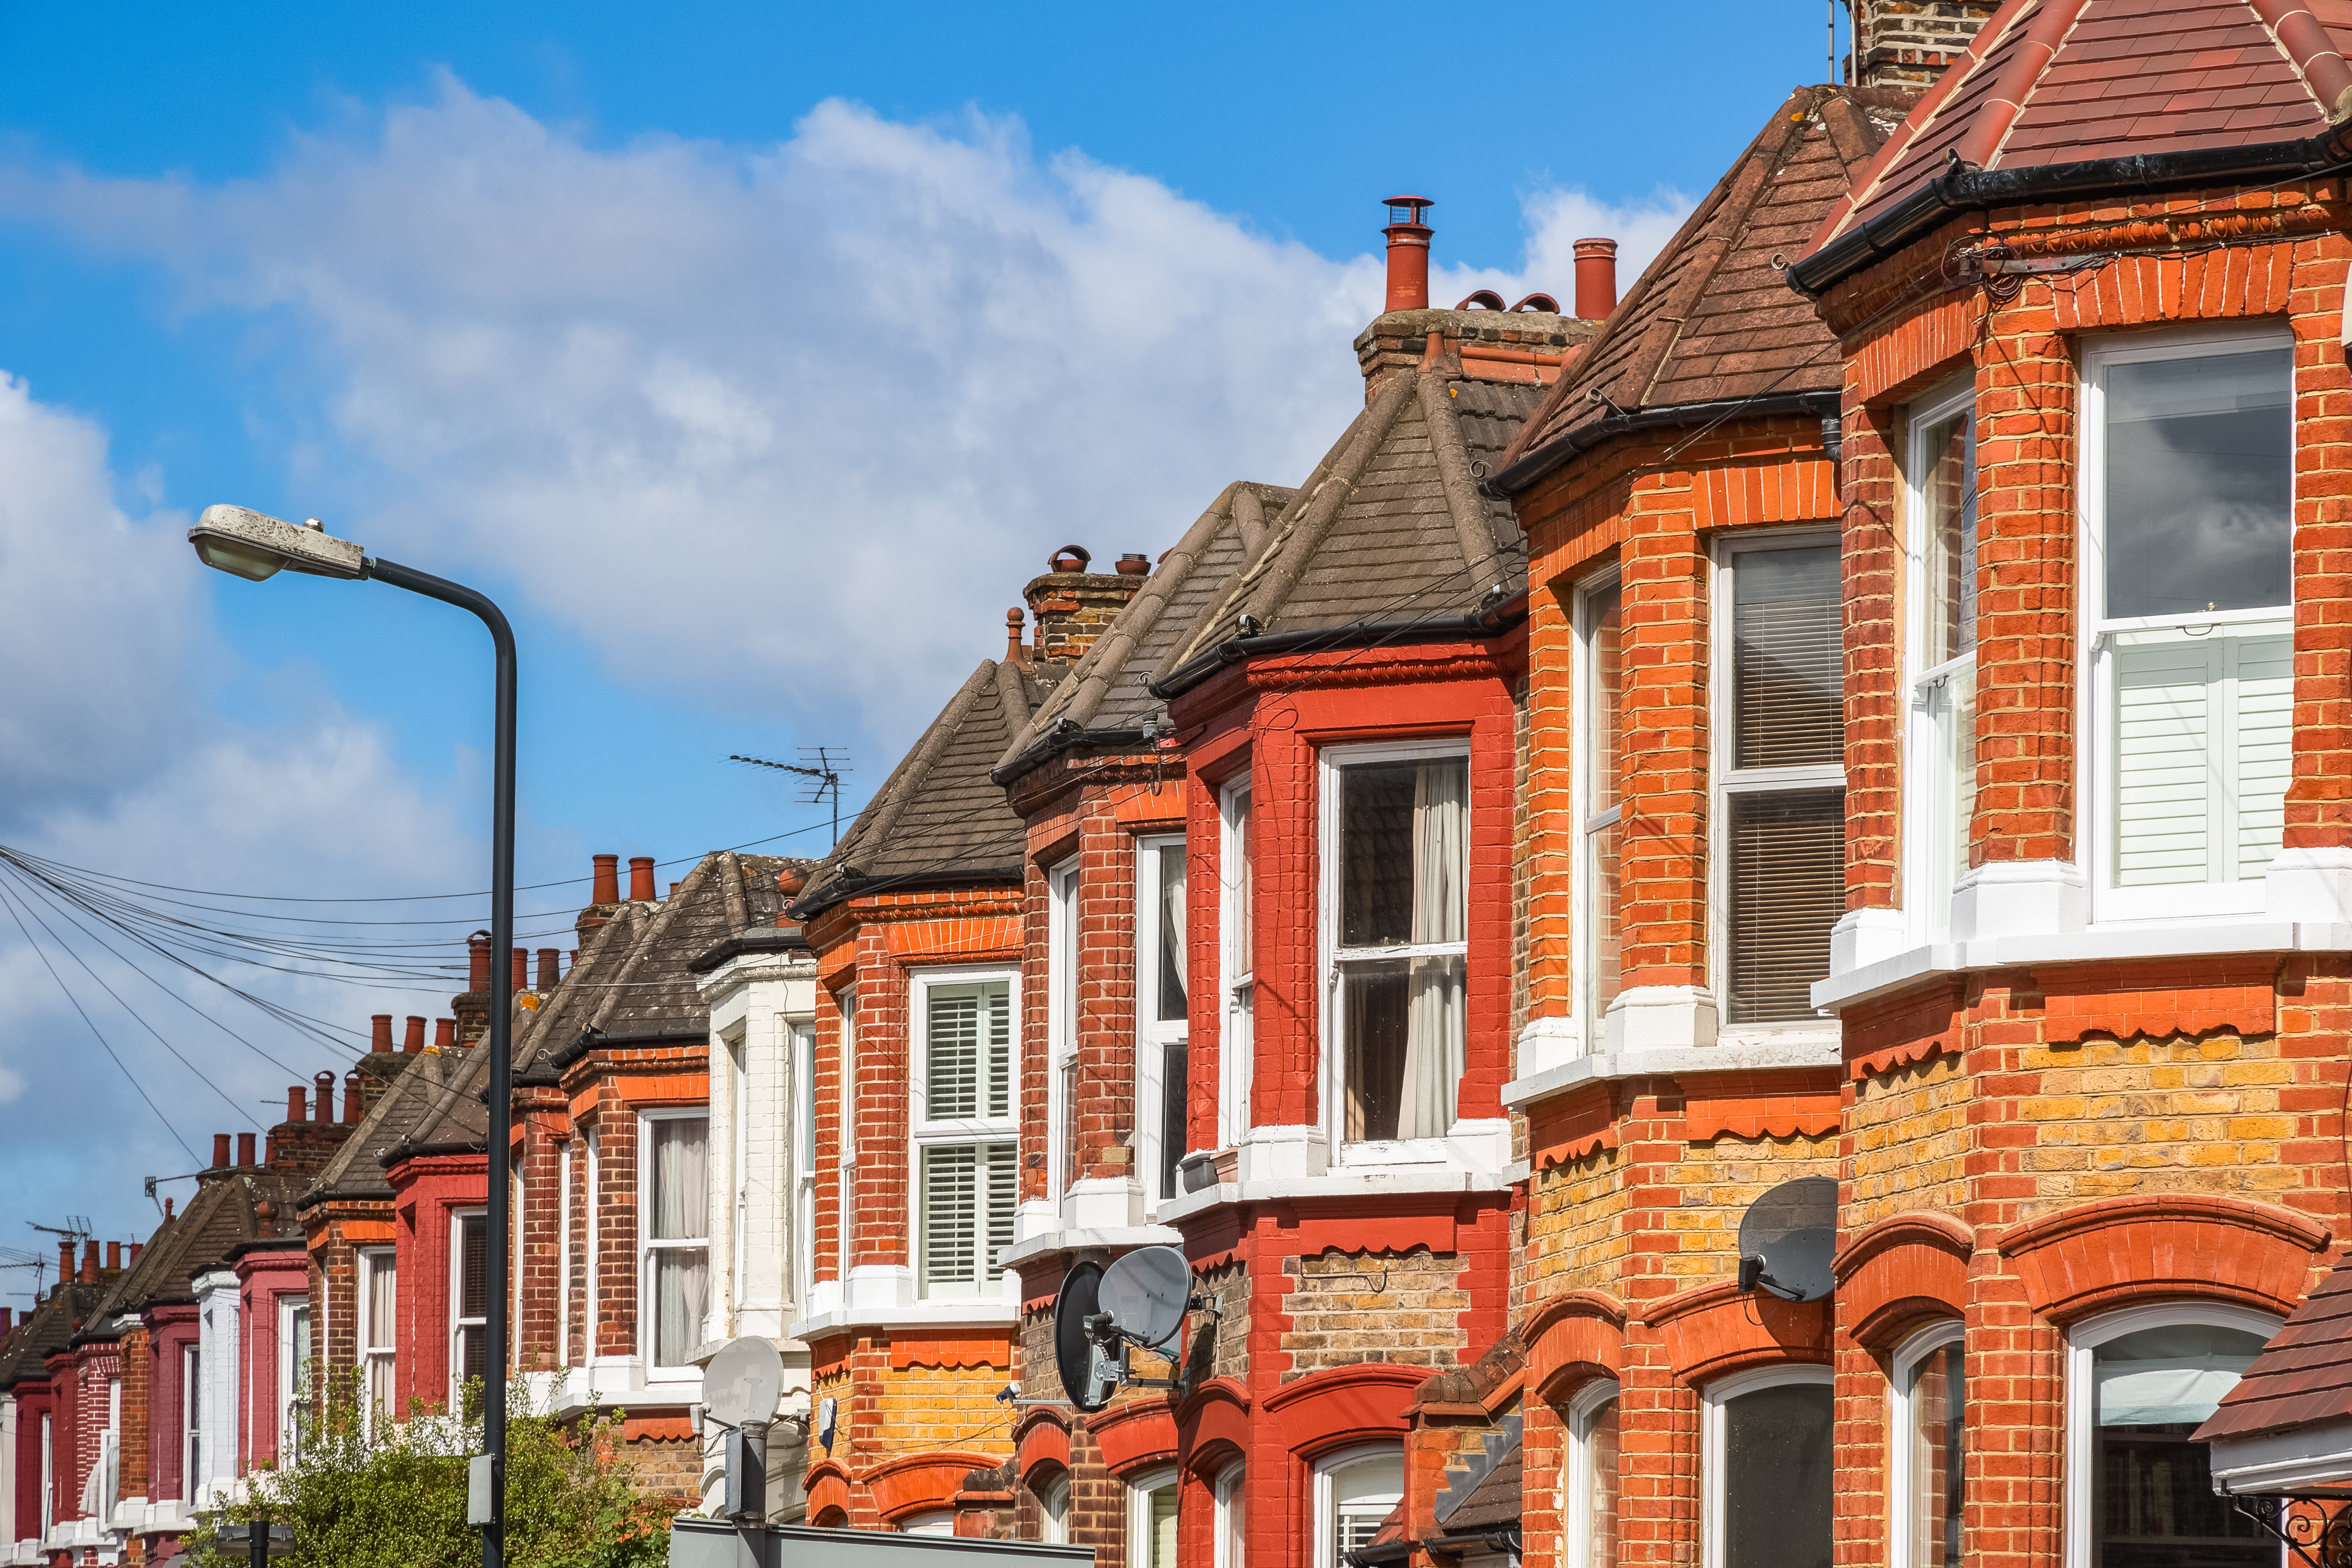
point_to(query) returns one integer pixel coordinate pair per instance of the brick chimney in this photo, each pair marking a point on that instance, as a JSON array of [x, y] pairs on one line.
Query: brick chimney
[[1481, 339], [322, 1102], [413, 1036], [1596, 278], [603, 896], [1903, 43], [473, 1007], [641, 878], [1072, 606], [1408, 235], [245, 1149]]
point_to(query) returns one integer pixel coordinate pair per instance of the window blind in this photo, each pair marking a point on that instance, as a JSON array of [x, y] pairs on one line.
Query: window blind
[[1787, 661], [2203, 749], [967, 1213], [1788, 888], [968, 1061]]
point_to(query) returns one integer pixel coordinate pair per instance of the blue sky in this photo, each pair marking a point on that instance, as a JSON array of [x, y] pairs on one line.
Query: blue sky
[[753, 356]]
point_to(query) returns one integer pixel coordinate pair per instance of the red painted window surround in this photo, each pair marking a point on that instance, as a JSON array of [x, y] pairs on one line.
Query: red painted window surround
[[170, 1329], [427, 1191], [266, 1281]]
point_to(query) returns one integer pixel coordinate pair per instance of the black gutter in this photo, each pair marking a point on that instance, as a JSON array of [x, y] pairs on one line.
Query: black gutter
[[841, 893], [1058, 740], [775, 939], [1968, 190], [1508, 482], [1363, 634]]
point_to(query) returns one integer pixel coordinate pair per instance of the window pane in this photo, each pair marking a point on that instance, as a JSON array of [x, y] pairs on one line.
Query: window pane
[[1937, 1413], [1949, 490], [1776, 1478], [1162, 1527], [968, 1062], [1172, 1091], [1601, 1482], [2203, 752], [681, 1178], [383, 1290], [1053, 1506], [1788, 888], [681, 1292], [1362, 1494], [1788, 658], [2156, 1507], [2200, 484], [1172, 932], [1405, 849], [1608, 958], [1244, 881], [473, 1265], [968, 1201], [1604, 618]]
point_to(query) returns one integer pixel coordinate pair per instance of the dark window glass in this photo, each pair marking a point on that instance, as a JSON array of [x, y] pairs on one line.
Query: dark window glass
[[2200, 484], [1788, 658], [1788, 888], [1377, 1003], [1172, 1088], [2152, 1487], [1376, 841], [1776, 1478], [1171, 933]]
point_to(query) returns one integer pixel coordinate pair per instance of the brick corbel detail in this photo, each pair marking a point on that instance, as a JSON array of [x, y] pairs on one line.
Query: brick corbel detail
[[1042, 1438], [1213, 1423], [2238, 995], [1572, 1127], [1898, 1034], [968, 940], [1900, 1272], [1571, 1339], [1762, 1105], [1133, 1435], [919, 1482], [915, 1348], [1343, 1404], [2119, 1251], [1714, 1331]]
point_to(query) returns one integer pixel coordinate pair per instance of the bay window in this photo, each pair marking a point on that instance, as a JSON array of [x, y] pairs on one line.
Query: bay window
[[1355, 1492], [845, 1164], [2187, 591], [804, 1237], [1779, 801], [379, 1298], [1930, 1416], [1766, 1466], [1237, 923], [1151, 1520], [469, 1304], [1230, 1547], [1061, 1028], [1396, 863], [1590, 1505], [965, 1135], [2139, 1493], [1600, 710], [1942, 474], [293, 1374], [1159, 1016], [674, 1200]]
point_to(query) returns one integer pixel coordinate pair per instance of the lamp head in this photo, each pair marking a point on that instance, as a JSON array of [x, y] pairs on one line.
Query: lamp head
[[255, 546]]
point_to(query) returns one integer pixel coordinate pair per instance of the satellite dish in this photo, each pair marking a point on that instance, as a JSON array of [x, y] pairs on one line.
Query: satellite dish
[[743, 1382], [1787, 1239], [1073, 1347], [1146, 1294]]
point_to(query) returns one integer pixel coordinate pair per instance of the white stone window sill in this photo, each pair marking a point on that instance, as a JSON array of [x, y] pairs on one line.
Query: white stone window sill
[[1348, 1181], [979, 1311], [1104, 1239], [1671, 1062]]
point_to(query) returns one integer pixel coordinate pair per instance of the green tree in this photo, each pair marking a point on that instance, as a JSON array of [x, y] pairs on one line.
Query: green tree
[[396, 1498]]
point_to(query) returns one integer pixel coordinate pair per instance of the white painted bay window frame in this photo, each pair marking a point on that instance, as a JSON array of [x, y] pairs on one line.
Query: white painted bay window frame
[[293, 1369], [1061, 1031], [802, 1033], [1941, 738], [1911, 1357], [1714, 1402], [1155, 1037], [1599, 838], [650, 1248], [992, 1136], [1325, 1500], [378, 1342], [2255, 640], [1237, 947], [1578, 1475], [1143, 1492], [845, 1141], [1230, 1546], [1730, 783], [459, 1320], [1336, 958]]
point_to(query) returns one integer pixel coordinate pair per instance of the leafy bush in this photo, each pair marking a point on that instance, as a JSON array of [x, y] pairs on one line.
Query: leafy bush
[[396, 1498]]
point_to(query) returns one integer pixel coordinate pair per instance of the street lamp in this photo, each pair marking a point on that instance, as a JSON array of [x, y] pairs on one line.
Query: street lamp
[[257, 547]]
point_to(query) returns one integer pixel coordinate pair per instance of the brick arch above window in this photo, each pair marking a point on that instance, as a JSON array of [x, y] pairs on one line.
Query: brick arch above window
[[1213, 1424], [1134, 1435], [1343, 1404], [826, 1487], [1712, 1333], [1902, 1272], [1042, 1438], [1571, 1339], [2116, 1252], [918, 1483]]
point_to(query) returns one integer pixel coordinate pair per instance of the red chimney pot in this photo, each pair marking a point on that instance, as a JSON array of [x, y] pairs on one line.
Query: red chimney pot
[[352, 1106], [1596, 278], [294, 1098], [89, 1260], [65, 1258], [245, 1148], [445, 1034], [548, 974], [413, 1041], [641, 878], [137, 1248], [478, 961], [323, 1103], [380, 1032], [1408, 253], [604, 887], [220, 1149], [113, 1257], [1013, 651]]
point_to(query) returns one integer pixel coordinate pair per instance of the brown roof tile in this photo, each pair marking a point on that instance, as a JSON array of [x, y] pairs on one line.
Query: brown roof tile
[[2303, 1376]]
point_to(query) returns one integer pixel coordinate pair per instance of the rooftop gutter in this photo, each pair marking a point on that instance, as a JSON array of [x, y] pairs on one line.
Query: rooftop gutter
[[1970, 190], [1364, 634], [1509, 482], [758, 939], [841, 893], [1058, 740]]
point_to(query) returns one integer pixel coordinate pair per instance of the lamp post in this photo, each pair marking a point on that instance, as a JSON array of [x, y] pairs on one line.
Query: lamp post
[[251, 545]]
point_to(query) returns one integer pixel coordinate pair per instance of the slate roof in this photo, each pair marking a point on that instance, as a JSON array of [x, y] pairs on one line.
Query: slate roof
[[48, 1329], [2304, 1375], [225, 1214], [2050, 82], [1711, 320], [939, 817]]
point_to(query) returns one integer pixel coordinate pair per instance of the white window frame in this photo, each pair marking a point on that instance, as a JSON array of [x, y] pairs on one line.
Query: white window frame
[[803, 1035], [111, 1452], [1330, 955], [1152, 1036], [49, 1474], [930, 1522], [1590, 1012], [649, 1329], [1909, 1357], [1582, 1410], [458, 1323], [738, 1162], [371, 1259], [1061, 1027], [2086, 1337], [1237, 982], [1712, 1402], [1323, 1502], [293, 1361], [1226, 1490], [1726, 781], [591, 1281], [1139, 1491], [924, 1132], [563, 1251], [2094, 684], [845, 1138], [1054, 1522], [1930, 869]]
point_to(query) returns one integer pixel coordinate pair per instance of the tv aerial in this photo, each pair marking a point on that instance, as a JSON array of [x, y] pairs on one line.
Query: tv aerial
[[1787, 1239], [826, 772], [1102, 1313]]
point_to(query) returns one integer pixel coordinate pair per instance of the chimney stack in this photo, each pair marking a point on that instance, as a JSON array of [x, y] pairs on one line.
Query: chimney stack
[[548, 974], [352, 1106], [380, 1032], [1074, 606], [7, 1320], [245, 1149], [90, 1262], [473, 1006], [445, 1034], [1408, 253], [641, 878], [322, 1104], [294, 1107], [220, 1149], [413, 1040], [1899, 44], [1596, 278]]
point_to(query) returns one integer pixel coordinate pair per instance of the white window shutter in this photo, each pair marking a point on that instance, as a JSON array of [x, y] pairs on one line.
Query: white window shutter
[[995, 1006], [2265, 750], [951, 1070], [1004, 1201], [2165, 786], [951, 1216]]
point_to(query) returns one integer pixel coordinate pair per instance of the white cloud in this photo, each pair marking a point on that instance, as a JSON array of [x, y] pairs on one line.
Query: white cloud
[[1556, 220], [806, 415]]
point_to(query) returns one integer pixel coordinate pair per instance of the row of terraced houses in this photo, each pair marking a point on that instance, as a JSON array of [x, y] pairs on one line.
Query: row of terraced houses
[[1873, 705]]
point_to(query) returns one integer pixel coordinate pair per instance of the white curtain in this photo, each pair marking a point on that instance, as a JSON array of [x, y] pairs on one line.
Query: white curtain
[[1433, 1023], [681, 1294], [681, 1179], [1172, 932]]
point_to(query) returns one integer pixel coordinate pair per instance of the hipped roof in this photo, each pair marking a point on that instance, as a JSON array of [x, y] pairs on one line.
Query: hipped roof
[[2051, 83], [2304, 1375], [1712, 320]]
